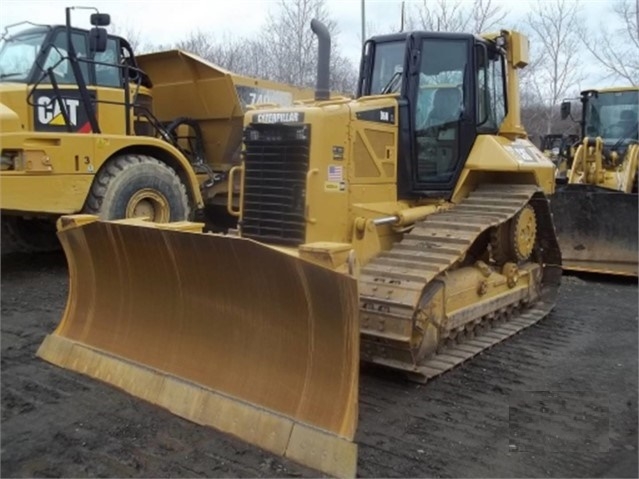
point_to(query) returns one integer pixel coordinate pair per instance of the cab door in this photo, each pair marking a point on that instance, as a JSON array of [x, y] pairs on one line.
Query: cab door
[[441, 92]]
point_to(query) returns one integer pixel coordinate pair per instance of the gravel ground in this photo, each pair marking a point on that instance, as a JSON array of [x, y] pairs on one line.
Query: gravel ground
[[557, 400]]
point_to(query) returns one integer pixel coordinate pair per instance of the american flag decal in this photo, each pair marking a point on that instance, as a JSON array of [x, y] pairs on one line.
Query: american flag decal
[[335, 173]]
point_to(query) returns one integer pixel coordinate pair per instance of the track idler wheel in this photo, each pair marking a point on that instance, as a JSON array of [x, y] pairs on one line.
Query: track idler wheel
[[515, 239]]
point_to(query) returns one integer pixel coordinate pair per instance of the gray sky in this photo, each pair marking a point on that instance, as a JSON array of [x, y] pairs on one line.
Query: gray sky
[[166, 21]]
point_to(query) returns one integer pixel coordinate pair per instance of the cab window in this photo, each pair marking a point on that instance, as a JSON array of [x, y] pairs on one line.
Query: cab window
[[18, 55], [387, 66], [491, 89], [440, 103], [58, 58], [107, 72]]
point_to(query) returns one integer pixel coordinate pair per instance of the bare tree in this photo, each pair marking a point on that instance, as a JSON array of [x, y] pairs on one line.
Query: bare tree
[[457, 16], [249, 59], [129, 33], [285, 51], [292, 46], [198, 43], [616, 47], [487, 16], [244, 56], [556, 69]]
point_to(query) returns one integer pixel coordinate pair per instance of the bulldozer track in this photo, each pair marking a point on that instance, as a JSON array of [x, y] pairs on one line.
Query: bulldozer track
[[392, 284]]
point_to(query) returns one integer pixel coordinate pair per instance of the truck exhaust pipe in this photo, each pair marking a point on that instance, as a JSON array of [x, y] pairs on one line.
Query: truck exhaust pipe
[[322, 89]]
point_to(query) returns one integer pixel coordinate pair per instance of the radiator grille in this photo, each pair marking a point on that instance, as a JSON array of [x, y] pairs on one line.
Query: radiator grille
[[276, 164]]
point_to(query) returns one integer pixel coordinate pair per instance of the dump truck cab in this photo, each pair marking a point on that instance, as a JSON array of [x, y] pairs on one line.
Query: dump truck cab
[[36, 68]]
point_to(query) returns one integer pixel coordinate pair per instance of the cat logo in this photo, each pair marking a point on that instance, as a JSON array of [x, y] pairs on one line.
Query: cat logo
[[279, 117], [50, 111], [49, 116]]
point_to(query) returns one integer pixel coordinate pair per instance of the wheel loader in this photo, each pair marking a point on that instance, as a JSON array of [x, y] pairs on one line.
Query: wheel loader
[[595, 206], [88, 127], [407, 229]]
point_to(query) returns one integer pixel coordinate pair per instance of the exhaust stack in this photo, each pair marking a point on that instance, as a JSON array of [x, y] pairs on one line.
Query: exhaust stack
[[322, 89]]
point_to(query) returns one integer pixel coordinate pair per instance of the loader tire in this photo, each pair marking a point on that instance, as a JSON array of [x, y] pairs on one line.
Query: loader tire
[[131, 186], [27, 235]]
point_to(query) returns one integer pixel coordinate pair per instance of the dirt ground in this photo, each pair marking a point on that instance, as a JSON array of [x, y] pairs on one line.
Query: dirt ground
[[557, 400]]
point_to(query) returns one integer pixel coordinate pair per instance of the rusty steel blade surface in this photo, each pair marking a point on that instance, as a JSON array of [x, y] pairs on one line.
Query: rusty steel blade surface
[[596, 229], [221, 330]]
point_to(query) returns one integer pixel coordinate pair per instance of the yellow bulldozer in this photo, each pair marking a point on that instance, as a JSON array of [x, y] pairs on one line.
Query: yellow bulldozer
[[88, 127], [595, 205], [408, 228]]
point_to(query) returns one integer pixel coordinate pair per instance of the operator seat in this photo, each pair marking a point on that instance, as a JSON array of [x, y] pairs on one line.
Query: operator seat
[[446, 106], [627, 121], [437, 147]]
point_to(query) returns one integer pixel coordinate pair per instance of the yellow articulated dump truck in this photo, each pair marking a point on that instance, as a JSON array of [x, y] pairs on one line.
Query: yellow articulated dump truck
[[408, 228], [595, 206], [88, 127]]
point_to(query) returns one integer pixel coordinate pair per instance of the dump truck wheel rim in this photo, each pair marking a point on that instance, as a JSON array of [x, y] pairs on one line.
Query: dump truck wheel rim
[[149, 203]]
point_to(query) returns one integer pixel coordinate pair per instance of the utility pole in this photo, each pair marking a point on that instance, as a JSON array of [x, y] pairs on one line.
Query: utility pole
[[363, 21]]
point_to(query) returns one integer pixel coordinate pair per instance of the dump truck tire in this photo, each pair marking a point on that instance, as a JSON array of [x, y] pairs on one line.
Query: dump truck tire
[[28, 235], [138, 186]]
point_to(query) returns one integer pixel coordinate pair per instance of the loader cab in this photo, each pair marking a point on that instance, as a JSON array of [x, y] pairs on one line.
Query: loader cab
[[65, 69], [451, 87], [612, 115]]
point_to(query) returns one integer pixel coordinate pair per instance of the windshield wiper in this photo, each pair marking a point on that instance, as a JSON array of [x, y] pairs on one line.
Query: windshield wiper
[[391, 83], [7, 75], [626, 135]]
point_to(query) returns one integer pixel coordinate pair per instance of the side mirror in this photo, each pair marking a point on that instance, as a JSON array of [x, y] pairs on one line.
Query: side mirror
[[100, 19], [97, 40], [565, 109]]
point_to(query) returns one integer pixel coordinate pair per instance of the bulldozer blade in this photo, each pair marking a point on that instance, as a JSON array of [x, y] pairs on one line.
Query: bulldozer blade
[[596, 229], [222, 331]]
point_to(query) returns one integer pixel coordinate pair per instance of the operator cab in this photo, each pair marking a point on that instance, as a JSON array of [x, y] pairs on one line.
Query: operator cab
[[611, 115], [451, 87], [71, 70], [26, 56]]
